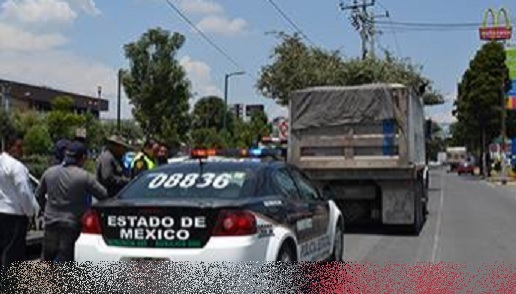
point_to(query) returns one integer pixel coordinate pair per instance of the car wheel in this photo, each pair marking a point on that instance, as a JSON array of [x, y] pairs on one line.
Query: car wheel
[[338, 243], [286, 255]]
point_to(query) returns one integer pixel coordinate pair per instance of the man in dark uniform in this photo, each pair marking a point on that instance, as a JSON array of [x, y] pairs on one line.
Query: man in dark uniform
[[109, 165], [162, 155], [146, 159]]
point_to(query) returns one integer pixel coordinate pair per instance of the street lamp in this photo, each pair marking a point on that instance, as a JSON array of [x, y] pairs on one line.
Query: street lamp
[[226, 80]]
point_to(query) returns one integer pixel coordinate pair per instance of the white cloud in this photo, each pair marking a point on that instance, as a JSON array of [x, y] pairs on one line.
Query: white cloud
[[87, 6], [15, 39], [222, 25], [38, 11], [444, 117], [64, 71], [201, 6], [199, 74]]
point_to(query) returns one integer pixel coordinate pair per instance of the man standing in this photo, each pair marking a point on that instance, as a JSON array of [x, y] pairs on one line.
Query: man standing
[[146, 159], [110, 172], [163, 155], [67, 187], [17, 202]]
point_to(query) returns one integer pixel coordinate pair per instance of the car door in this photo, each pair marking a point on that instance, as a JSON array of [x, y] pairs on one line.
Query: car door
[[319, 207], [298, 213]]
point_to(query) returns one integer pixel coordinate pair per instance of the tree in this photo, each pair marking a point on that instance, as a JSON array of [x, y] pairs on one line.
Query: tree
[[157, 86], [37, 140], [481, 94], [62, 121], [209, 113], [296, 66], [208, 138], [6, 125], [248, 133]]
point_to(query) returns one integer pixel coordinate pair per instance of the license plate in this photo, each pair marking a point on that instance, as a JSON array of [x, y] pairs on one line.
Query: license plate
[[147, 259]]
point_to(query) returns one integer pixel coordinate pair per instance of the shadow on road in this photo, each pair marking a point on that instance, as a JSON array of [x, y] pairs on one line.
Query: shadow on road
[[380, 230]]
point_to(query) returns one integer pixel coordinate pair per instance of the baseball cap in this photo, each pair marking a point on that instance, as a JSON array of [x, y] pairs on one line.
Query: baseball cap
[[75, 151]]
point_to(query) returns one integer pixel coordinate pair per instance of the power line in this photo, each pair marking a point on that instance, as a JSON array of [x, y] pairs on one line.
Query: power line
[[290, 21], [206, 38], [395, 36]]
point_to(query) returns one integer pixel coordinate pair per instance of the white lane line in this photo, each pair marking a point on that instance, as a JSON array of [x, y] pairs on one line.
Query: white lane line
[[439, 220]]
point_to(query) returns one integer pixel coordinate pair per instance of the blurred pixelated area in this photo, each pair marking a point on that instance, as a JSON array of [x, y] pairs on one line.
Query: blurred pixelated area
[[359, 277]]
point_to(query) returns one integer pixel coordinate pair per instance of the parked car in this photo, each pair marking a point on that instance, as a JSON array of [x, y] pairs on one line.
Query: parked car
[[466, 168]]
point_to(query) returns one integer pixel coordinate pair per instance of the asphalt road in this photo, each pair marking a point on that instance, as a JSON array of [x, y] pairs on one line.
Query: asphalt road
[[470, 221]]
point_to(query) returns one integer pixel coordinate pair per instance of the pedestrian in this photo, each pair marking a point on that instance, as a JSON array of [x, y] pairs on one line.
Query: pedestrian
[[17, 202], [67, 187], [163, 155], [109, 168], [59, 151], [146, 159]]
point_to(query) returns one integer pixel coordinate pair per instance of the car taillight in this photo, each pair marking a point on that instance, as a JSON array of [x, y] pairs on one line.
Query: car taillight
[[91, 223], [235, 223]]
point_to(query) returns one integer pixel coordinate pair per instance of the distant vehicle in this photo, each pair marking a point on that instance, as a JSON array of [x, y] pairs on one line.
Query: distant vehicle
[[225, 209], [455, 156], [466, 168]]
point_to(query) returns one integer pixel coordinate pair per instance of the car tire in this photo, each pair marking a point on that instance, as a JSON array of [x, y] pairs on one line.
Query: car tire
[[338, 243], [286, 255]]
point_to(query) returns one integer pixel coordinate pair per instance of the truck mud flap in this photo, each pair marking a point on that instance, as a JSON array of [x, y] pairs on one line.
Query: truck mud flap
[[398, 202]]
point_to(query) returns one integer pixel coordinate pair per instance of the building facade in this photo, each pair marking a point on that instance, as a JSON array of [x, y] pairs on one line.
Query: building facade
[[23, 96]]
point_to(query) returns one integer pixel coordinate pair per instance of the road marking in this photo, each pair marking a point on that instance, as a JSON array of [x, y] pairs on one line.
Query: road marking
[[439, 220]]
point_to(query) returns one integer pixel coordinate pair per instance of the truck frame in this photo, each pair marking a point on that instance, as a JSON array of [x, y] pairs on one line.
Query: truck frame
[[365, 146]]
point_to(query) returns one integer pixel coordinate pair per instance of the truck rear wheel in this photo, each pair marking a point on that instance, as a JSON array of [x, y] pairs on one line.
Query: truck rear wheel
[[419, 210]]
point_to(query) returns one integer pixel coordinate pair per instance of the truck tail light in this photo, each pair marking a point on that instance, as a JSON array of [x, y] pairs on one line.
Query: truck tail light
[[235, 223], [91, 223]]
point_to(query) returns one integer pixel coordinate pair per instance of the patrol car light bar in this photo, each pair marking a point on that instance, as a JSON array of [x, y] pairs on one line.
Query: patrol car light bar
[[242, 153]]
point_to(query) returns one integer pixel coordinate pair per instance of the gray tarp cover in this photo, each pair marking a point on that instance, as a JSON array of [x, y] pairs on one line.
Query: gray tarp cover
[[336, 106]]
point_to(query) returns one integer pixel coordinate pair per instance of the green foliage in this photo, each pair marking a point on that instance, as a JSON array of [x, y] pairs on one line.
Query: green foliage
[[252, 131], [296, 66], [481, 95], [24, 120], [37, 141], [7, 125], [157, 86], [128, 128], [209, 113], [208, 138], [62, 122], [37, 164]]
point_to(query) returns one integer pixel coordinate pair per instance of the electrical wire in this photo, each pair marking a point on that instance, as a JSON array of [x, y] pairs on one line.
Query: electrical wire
[[395, 36], [204, 36], [290, 21]]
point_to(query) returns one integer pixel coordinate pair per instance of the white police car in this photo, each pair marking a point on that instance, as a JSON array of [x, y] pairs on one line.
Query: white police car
[[204, 210]]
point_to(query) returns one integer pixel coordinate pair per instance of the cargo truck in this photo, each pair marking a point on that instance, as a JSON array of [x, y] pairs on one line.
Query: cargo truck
[[364, 146]]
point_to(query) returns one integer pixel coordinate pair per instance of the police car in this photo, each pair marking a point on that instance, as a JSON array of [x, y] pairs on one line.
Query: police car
[[210, 209]]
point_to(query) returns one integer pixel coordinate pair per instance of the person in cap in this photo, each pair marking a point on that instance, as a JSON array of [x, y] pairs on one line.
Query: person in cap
[[109, 169], [67, 187], [146, 159], [59, 151], [17, 203]]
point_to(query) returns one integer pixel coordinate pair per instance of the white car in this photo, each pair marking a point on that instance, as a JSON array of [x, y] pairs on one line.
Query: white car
[[214, 210]]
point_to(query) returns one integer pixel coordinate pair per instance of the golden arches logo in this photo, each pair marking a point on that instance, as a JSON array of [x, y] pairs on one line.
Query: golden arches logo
[[496, 30]]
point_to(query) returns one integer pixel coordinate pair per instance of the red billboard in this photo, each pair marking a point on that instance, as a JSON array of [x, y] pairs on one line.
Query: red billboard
[[496, 30]]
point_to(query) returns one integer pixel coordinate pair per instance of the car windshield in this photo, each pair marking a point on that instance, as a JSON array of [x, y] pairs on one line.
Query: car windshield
[[192, 181]]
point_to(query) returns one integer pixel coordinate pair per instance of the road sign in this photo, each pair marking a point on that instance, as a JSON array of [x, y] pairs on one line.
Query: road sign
[[250, 109], [283, 129], [496, 31]]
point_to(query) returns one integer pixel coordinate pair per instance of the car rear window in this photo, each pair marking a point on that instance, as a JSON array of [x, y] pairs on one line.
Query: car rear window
[[192, 181]]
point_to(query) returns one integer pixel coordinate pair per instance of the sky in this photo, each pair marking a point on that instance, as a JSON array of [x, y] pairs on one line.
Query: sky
[[77, 45]]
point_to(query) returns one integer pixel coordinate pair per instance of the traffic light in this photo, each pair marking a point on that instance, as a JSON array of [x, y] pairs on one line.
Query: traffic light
[[250, 109], [236, 109]]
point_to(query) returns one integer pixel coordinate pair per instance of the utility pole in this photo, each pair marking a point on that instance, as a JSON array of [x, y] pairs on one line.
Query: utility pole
[[361, 21], [5, 104], [226, 83], [118, 111]]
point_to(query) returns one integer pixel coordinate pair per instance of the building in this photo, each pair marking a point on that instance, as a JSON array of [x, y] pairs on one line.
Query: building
[[30, 97]]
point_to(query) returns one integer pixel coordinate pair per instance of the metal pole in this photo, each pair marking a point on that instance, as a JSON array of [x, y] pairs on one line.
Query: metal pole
[[118, 113], [226, 77], [364, 32], [504, 153]]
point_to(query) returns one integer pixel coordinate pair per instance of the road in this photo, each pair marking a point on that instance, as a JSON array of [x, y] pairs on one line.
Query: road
[[470, 221]]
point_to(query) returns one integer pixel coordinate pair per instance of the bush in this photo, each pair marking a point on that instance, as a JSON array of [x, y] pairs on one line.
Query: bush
[[37, 164], [37, 141]]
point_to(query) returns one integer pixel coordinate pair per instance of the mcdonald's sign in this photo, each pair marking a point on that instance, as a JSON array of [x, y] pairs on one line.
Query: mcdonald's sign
[[496, 30]]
